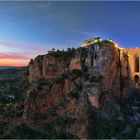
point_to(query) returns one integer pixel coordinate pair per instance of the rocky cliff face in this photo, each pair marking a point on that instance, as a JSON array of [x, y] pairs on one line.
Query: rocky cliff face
[[46, 66], [65, 88]]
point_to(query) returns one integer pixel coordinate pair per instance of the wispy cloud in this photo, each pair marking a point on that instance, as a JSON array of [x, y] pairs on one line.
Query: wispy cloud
[[14, 56], [12, 52], [19, 53], [8, 44], [25, 5], [24, 47], [83, 33]]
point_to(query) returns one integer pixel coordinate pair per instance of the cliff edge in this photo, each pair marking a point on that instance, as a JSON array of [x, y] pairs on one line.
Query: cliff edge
[[67, 87]]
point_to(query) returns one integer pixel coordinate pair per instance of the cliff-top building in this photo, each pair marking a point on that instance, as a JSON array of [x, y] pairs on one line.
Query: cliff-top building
[[129, 58], [134, 63]]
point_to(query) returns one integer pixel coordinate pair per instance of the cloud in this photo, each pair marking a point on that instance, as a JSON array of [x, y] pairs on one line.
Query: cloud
[[24, 5], [21, 52], [83, 33], [23, 47], [8, 44], [14, 56]]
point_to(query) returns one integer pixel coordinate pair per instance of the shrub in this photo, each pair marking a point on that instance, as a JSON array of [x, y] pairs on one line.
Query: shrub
[[86, 76], [58, 80], [19, 132], [84, 68], [84, 54], [75, 74], [74, 94], [138, 133], [64, 55], [57, 128], [94, 79], [78, 85]]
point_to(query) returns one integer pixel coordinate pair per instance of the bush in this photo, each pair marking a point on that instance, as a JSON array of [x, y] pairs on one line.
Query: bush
[[78, 85], [138, 133], [74, 94], [10, 131], [94, 79], [84, 54], [57, 128], [86, 76], [84, 68], [59, 80], [75, 74], [64, 55]]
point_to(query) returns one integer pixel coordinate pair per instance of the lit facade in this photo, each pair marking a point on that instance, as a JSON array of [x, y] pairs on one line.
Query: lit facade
[[129, 59]]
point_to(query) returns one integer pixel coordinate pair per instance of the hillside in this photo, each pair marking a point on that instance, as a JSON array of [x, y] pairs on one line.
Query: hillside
[[12, 94], [6, 67]]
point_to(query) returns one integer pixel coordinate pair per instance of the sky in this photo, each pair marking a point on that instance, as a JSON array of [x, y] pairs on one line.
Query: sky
[[31, 28]]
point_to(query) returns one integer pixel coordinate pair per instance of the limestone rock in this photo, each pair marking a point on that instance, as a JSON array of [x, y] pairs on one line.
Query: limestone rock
[[69, 85]]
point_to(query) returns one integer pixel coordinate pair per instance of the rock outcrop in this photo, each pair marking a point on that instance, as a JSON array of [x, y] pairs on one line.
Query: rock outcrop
[[46, 66], [69, 85]]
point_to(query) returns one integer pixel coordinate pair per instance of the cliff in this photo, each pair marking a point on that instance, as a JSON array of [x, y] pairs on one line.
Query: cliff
[[65, 88]]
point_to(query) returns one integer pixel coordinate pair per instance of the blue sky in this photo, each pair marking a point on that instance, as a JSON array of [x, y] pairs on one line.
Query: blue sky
[[31, 28]]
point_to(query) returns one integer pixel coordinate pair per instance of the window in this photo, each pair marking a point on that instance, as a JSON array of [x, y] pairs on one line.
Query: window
[[136, 78], [136, 63]]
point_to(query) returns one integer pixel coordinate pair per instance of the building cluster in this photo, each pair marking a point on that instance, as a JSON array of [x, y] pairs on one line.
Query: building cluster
[[129, 58]]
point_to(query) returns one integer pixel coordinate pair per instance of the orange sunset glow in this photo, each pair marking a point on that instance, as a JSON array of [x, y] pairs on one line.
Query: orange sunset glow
[[13, 62], [18, 54]]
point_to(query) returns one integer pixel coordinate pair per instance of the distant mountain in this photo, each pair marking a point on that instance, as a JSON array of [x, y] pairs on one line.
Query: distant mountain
[[7, 67], [12, 73]]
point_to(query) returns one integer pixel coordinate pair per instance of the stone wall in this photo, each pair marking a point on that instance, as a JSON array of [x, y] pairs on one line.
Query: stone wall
[[128, 64]]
